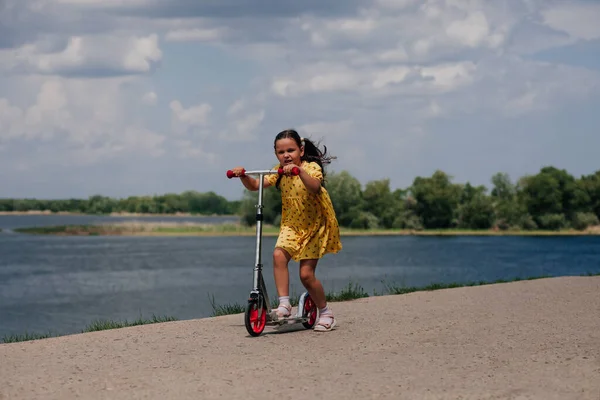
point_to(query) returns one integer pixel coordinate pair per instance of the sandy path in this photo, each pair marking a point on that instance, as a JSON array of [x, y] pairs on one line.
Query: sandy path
[[523, 340]]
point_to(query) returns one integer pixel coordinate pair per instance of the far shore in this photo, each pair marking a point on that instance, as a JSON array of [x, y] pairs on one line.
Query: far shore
[[143, 228], [113, 214]]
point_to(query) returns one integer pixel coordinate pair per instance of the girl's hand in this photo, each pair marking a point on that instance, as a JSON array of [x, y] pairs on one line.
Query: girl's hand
[[238, 171], [287, 169]]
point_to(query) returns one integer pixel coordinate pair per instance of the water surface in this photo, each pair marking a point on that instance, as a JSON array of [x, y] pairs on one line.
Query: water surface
[[62, 283]]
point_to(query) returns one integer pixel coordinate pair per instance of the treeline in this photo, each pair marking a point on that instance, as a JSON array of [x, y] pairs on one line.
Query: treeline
[[552, 199], [187, 202]]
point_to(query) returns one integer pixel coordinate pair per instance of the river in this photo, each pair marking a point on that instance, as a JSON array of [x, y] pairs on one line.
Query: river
[[61, 284]]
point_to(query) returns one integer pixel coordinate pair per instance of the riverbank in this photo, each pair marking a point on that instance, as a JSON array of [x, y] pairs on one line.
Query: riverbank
[[114, 214], [145, 228], [352, 291], [529, 339]]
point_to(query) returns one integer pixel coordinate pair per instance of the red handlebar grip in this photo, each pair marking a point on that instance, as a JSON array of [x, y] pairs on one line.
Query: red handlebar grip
[[295, 171], [230, 173]]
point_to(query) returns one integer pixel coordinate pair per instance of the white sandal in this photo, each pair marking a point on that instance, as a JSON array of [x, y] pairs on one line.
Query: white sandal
[[323, 325], [283, 311]]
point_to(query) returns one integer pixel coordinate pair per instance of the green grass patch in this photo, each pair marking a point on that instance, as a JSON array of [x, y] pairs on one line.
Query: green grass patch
[[226, 309], [352, 291], [395, 289], [105, 324], [149, 229], [349, 292], [25, 337], [94, 326]]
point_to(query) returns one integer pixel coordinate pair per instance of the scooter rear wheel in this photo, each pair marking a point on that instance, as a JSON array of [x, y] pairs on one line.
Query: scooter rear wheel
[[310, 311], [255, 324]]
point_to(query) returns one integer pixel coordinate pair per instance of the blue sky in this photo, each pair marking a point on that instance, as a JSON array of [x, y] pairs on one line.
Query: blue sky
[[135, 97]]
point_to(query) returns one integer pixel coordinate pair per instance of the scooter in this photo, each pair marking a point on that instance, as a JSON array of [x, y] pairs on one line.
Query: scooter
[[259, 313]]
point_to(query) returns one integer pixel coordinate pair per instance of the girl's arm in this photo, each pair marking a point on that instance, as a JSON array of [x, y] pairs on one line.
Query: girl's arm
[[312, 184], [251, 183]]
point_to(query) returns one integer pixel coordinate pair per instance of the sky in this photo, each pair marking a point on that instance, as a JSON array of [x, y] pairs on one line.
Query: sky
[[144, 97]]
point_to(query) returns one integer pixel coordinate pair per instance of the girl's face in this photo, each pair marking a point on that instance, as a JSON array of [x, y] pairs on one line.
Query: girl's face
[[287, 151]]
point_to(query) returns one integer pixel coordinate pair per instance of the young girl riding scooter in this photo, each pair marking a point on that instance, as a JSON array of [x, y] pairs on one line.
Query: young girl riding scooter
[[309, 227]]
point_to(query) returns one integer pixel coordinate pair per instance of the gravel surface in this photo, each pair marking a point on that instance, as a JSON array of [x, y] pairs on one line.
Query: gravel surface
[[535, 339]]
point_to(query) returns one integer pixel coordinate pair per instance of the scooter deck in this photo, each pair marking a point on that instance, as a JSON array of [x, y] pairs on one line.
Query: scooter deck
[[292, 319]]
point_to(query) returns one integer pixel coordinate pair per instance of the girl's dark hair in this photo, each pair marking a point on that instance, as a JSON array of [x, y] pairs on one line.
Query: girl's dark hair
[[312, 153]]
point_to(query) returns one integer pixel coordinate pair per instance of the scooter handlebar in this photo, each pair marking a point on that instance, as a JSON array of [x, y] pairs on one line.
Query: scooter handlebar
[[230, 173], [295, 171]]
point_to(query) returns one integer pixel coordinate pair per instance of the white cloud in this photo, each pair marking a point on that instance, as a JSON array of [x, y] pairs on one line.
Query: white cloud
[[450, 76], [150, 98], [471, 31], [579, 20], [237, 107], [244, 119], [396, 4], [196, 34], [193, 117], [10, 117], [90, 121], [326, 129], [390, 75], [375, 79], [103, 3], [90, 55]]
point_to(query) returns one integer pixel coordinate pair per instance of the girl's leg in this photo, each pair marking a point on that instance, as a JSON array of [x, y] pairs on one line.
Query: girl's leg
[[281, 258], [315, 289], [311, 283]]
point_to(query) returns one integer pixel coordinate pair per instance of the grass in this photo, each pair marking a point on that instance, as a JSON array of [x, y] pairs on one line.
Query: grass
[[104, 324], [352, 291], [135, 228], [94, 326], [394, 289], [355, 291], [149, 229]]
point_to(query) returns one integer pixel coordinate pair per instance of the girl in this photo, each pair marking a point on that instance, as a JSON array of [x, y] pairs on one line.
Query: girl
[[309, 228]]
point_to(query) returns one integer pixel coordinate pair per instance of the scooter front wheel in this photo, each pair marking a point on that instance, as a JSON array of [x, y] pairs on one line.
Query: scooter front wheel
[[255, 320]]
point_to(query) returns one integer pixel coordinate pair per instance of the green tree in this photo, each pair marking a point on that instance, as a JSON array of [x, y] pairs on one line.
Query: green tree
[[553, 197], [591, 185], [509, 209], [271, 206], [382, 203], [346, 196], [437, 199], [476, 209]]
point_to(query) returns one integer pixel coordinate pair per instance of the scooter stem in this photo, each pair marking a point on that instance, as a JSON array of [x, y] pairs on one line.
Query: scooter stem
[[259, 221]]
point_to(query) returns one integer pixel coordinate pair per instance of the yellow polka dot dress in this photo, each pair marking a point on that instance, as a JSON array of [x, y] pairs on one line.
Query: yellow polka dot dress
[[309, 227]]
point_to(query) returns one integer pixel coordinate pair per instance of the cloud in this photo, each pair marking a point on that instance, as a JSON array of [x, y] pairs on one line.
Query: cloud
[[88, 120], [150, 98], [245, 116], [193, 117], [389, 85], [229, 8], [375, 81], [91, 56], [196, 34], [578, 20]]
